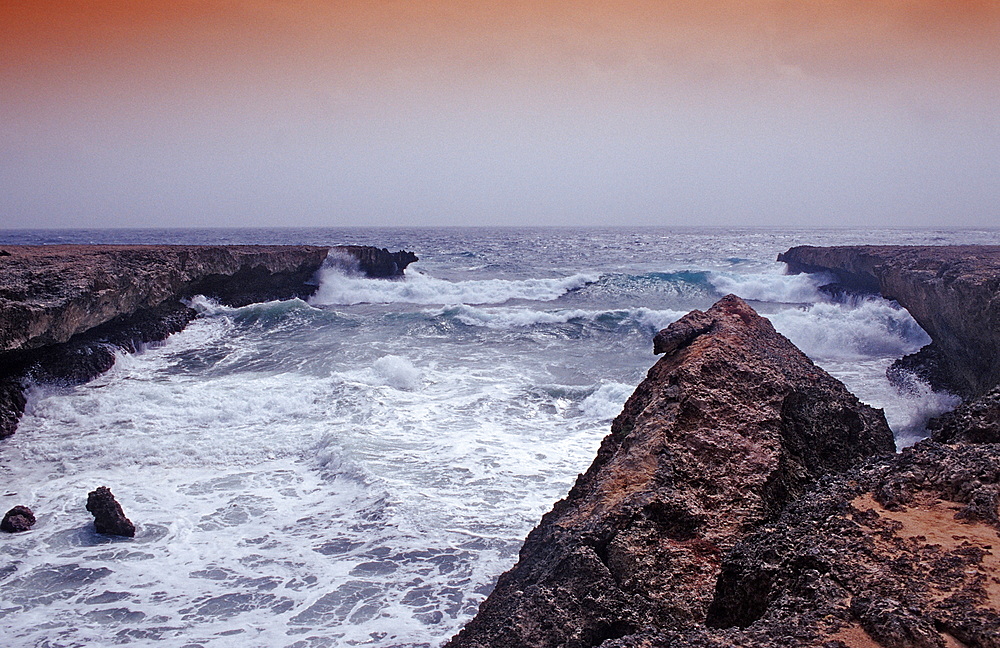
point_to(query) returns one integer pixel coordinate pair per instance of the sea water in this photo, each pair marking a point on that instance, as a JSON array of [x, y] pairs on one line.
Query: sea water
[[357, 469]]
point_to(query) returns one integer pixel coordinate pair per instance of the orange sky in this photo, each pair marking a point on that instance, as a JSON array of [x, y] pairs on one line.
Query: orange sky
[[273, 68]]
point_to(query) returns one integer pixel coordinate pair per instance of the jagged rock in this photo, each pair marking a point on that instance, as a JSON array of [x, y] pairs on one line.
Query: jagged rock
[[953, 292], [899, 552], [12, 403], [50, 293], [725, 430], [66, 309], [19, 518], [376, 262], [977, 421], [108, 515]]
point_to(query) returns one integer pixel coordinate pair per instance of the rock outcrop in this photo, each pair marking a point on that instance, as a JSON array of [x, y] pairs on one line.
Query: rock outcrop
[[18, 519], [109, 518], [953, 292], [64, 309], [727, 428], [977, 421], [901, 552]]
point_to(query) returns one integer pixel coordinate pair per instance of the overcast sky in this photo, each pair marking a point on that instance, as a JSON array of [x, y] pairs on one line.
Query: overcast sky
[[394, 112]]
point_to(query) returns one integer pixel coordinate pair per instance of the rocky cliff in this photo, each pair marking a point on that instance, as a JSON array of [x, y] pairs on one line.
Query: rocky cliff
[[64, 308], [953, 292], [728, 427]]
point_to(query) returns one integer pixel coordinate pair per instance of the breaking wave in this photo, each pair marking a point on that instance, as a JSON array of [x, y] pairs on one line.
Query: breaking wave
[[773, 287], [508, 318], [337, 288], [865, 329]]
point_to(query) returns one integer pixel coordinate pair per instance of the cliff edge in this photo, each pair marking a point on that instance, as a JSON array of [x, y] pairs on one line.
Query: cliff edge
[[65, 308], [953, 292]]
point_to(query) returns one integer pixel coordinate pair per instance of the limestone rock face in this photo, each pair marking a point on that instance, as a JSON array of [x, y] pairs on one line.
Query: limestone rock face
[[953, 292], [19, 518], [108, 515], [65, 309], [50, 293], [725, 430]]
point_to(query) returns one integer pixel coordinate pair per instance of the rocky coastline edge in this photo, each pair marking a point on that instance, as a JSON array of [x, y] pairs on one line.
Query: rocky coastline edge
[[66, 309]]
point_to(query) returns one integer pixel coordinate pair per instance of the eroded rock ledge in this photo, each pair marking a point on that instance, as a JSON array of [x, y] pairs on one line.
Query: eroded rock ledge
[[953, 292], [64, 308], [728, 427]]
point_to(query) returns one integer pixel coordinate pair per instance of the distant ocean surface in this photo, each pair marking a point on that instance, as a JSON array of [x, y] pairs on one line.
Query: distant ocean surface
[[357, 470]]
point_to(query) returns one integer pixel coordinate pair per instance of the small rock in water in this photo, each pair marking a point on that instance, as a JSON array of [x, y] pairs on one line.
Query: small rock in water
[[19, 518], [108, 515]]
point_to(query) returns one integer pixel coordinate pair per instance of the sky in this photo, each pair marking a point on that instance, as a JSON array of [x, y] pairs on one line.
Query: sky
[[217, 113]]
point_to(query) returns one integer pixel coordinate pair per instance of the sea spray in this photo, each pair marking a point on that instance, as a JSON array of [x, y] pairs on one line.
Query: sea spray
[[772, 286], [418, 288]]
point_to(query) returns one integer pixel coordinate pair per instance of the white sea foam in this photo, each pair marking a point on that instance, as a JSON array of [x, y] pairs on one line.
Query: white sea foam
[[864, 329], [518, 317], [856, 343], [336, 287], [607, 401], [907, 413], [772, 287], [397, 372], [372, 505]]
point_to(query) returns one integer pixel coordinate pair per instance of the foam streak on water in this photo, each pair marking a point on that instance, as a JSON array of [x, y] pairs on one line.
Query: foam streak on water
[[357, 470]]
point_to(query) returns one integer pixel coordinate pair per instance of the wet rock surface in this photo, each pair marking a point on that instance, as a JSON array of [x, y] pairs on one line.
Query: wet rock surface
[[953, 292], [108, 515], [731, 425], [18, 519], [66, 309], [977, 421]]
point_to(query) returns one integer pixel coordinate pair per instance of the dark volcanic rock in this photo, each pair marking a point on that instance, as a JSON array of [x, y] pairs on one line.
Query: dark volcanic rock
[[12, 403], [953, 292], [900, 552], [977, 421], [66, 309], [19, 518], [376, 262], [725, 430], [108, 515]]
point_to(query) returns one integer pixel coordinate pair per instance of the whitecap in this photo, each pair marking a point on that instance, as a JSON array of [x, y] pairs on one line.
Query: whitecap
[[522, 317], [773, 287], [861, 329], [606, 402], [339, 288], [397, 372]]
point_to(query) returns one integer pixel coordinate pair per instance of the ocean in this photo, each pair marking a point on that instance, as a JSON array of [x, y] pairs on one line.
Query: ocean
[[357, 469]]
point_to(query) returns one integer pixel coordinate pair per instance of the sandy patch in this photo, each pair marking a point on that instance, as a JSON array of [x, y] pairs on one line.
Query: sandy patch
[[932, 521]]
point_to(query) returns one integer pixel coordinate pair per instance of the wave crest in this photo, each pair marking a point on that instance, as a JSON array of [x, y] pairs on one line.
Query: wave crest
[[337, 288]]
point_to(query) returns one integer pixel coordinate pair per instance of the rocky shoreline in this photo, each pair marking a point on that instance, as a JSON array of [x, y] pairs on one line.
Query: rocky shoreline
[[745, 498], [953, 292], [65, 309]]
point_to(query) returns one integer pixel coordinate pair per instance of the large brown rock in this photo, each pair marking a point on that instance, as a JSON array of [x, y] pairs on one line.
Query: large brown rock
[[953, 292], [727, 427], [109, 518]]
